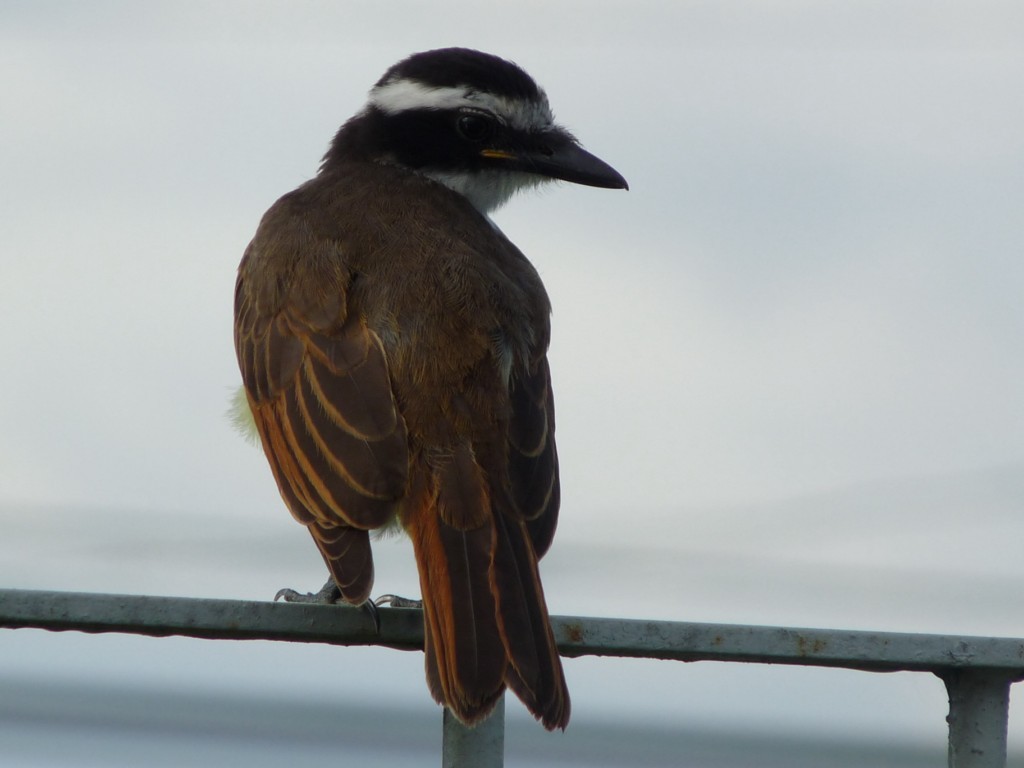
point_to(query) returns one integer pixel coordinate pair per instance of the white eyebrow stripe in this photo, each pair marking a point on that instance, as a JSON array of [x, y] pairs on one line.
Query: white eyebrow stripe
[[402, 95], [405, 94]]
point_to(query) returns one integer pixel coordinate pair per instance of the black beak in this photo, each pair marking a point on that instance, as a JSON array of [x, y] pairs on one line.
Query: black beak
[[557, 155]]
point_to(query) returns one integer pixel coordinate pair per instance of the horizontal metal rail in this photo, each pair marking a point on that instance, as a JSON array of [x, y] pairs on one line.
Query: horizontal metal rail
[[576, 636], [977, 671]]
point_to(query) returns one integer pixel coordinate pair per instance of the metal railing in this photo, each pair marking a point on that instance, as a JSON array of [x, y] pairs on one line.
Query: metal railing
[[977, 671]]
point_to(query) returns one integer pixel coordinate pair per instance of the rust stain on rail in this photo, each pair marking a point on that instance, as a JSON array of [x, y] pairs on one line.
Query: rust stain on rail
[[807, 647], [574, 632]]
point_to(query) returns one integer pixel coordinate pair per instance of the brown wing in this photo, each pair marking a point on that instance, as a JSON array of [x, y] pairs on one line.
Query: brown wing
[[533, 459], [318, 384]]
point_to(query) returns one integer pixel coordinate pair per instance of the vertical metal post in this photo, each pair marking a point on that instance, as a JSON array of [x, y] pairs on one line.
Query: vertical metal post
[[979, 705], [482, 746]]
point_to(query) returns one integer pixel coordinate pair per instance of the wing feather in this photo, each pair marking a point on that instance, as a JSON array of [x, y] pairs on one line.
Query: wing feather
[[317, 380], [345, 392], [533, 458]]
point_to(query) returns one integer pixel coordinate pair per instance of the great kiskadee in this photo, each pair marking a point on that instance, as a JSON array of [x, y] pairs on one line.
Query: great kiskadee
[[393, 343]]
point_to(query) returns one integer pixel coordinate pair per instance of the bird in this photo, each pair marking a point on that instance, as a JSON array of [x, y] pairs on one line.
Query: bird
[[392, 343]]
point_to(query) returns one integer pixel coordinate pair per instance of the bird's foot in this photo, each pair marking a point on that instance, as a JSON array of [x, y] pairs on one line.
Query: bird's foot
[[395, 601], [328, 595]]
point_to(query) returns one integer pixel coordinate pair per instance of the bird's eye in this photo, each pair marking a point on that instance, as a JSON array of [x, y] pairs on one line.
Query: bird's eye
[[472, 127]]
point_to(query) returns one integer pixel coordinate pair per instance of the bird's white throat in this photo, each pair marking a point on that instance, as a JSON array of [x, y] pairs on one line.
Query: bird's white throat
[[487, 190]]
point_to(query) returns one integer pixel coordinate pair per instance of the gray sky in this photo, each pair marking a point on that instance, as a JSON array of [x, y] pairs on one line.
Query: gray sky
[[796, 338], [814, 280]]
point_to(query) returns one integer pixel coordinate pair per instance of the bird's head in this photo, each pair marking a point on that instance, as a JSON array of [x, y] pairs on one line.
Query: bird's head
[[474, 122]]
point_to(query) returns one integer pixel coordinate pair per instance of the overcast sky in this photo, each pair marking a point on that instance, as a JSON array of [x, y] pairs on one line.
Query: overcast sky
[[815, 279], [810, 294]]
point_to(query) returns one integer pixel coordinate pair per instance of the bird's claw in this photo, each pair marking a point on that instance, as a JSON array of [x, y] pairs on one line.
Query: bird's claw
[[328, 595], [396, 601], [370, 608]]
